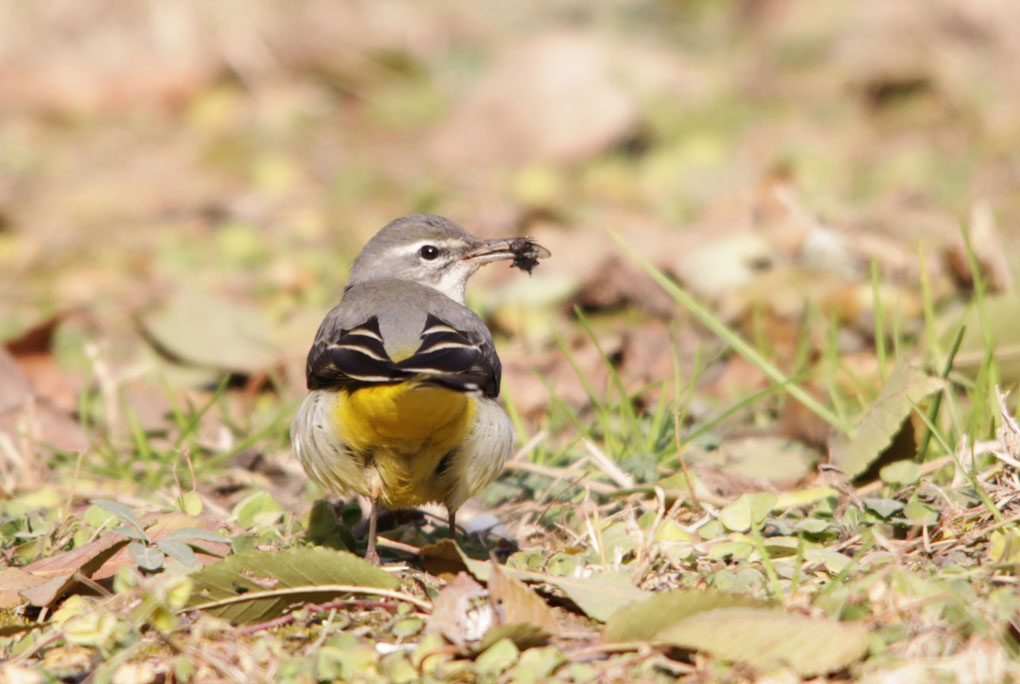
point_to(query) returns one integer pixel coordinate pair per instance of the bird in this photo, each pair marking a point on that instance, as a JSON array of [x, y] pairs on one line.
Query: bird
[[403, 378]]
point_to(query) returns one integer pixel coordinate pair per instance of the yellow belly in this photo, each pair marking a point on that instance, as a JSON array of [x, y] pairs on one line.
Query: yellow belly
[[405, 430]]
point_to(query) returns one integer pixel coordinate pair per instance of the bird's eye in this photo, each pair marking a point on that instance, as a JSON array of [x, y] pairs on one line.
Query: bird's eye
[[429, 252]]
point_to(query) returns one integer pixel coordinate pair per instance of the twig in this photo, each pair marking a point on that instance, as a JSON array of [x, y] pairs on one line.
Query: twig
[[903, 607], [557, 475], [322, 633], [583, 654], [923, 469], [312, 609], [556, 497], [399, 546], [37, 646], [529, 446], [621, 478], [320, 588]]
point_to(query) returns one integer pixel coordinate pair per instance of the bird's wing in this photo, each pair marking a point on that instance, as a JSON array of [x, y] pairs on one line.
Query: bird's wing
[[459, 358], [341, 357]]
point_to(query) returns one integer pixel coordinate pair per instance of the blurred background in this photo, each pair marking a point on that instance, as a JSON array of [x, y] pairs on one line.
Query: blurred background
[[183, 186]]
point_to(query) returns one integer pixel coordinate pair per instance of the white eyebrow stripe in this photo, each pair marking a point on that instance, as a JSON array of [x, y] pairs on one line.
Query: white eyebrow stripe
[[415, 246], [361, 350]]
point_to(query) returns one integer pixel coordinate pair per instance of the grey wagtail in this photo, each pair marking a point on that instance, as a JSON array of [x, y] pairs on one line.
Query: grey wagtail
[[403, 377]]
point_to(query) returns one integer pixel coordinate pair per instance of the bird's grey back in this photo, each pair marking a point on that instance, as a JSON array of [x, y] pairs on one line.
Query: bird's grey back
[[401, 308]]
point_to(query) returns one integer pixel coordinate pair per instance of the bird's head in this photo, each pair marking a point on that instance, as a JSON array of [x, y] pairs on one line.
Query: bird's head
[[435, 252]]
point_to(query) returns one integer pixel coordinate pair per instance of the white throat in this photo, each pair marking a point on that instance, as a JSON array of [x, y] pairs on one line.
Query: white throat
[[453, 282]]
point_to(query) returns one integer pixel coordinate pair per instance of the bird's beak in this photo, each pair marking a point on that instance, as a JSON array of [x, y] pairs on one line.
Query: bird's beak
[[522, 248]]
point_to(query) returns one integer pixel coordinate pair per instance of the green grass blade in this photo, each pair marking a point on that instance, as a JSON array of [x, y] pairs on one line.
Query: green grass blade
[[746, 401], [876, 300], [732, 338], [936, 404], [971, 478]]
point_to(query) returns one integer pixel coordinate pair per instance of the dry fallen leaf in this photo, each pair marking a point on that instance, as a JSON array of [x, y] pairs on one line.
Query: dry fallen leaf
[[12, 582], [157, 527], [767, 638], [800, 423], [444, 559], [15, 389], [104, 556], [529, 380], [33, 350], [29, 426], [554, 99], [207, 331], [905, 387], [778, 461], [260, 585], [1008, 433], [63, 569], [515, 602], [619, 284], [989, 251], [462, 611], [715, 267]]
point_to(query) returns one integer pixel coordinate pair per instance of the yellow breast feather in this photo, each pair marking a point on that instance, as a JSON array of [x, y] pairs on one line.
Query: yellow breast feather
[[406, 429]]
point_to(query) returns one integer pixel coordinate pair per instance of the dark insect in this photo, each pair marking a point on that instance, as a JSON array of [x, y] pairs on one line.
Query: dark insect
[[526, 253]]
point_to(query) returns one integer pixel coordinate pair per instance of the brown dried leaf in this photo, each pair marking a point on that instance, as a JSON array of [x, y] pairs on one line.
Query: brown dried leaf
[[12, 582], [64, 568], [31, 422], [989, 251], [800, 423], [1009, 432], [81, 559], [905, 387], [443, 558], [37, 339], [50, 381], [736, 377], [33, 350], [102, 558], [553, 99], [159, 526], [518, 602], [767, 638], [211, 332], [43, 426], [15, 389], [462, 612], [529, 379], [621, 284], [260, 585]]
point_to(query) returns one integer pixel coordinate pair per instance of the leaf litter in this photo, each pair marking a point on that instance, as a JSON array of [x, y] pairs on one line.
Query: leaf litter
[[700, 487]]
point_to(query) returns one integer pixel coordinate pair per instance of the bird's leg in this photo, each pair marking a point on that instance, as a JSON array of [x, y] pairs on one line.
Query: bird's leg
[[371, 555], [374, 492], [452, 518]]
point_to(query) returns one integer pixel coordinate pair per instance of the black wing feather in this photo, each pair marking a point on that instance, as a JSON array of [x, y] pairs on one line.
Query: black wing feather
[[447, 357]]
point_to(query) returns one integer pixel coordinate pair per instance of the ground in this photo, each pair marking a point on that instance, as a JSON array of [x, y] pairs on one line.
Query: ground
[[763, 391]]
